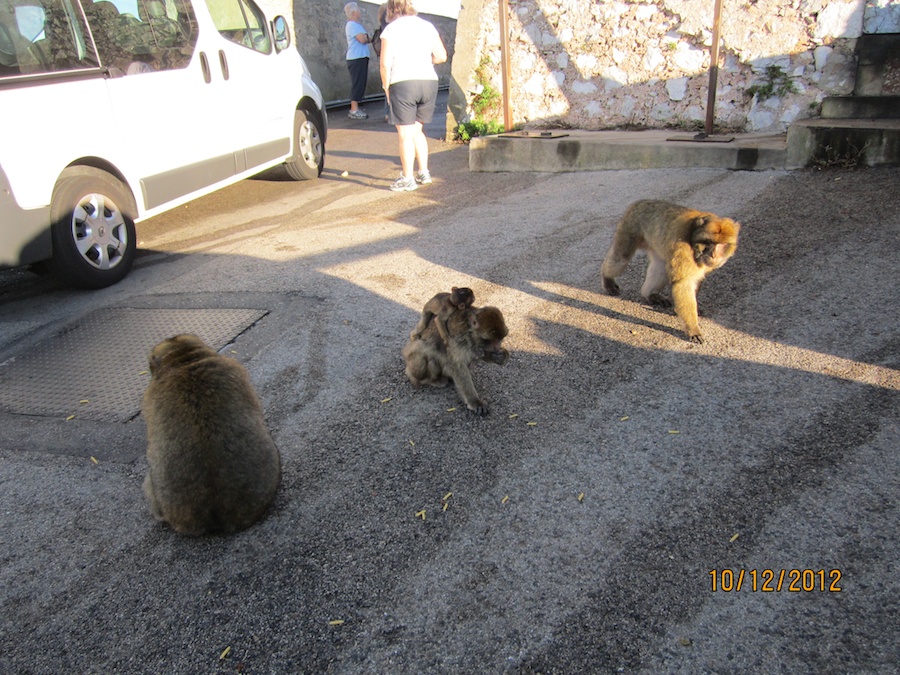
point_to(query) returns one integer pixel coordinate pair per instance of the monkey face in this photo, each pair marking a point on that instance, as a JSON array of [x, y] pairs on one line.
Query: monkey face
[[462, 297], [714, 241], [490, 329]]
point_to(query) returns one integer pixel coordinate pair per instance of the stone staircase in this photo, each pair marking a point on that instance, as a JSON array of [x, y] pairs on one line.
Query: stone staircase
[[858, 130]]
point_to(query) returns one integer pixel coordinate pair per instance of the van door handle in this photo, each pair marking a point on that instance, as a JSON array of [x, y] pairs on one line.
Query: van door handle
[[223, 62], [204, 64]]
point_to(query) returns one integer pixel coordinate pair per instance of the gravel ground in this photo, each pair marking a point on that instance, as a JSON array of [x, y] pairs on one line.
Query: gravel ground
[[575, 528]]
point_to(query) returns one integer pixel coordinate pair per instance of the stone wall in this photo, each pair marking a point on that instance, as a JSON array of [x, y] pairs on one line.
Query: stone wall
[[597, 64], [319, 30]]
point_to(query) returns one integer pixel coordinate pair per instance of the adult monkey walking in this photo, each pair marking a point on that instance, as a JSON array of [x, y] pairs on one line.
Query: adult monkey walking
[[410, 48]]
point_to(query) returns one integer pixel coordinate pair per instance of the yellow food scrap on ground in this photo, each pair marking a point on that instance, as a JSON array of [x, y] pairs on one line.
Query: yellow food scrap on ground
[[336, 622], [513, 416], [674, 431], [412, 442], [94, 460], [735, 536], [451, 409], [344, 174], [446, 506], [505, 499], [447, 496], [225, 653], [70, 418], [84, 400], [144, 372], [581, 496], [385, 400], [421, 514], [624, 419]]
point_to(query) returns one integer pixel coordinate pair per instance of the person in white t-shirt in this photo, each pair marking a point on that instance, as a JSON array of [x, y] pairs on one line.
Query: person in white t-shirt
[[410, 47], [357, 59]]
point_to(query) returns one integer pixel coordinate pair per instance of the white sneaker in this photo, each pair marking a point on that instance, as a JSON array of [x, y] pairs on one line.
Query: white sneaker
[[358, 115], [404, 184], [423, 178]]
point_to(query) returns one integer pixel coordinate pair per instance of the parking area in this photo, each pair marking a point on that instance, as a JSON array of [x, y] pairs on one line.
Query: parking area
[[597, 520]]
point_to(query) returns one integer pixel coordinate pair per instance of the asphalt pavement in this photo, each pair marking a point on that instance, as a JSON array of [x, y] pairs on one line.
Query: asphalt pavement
[[633, 502]]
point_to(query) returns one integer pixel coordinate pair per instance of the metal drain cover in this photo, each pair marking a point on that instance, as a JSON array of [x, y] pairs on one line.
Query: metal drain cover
[[96, 368]]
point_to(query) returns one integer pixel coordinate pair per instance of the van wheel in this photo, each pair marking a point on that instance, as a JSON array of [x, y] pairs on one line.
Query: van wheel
[[309, 150], [94, 240]]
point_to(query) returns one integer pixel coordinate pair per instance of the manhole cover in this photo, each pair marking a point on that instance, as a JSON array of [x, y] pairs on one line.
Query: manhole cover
[[96, 368]]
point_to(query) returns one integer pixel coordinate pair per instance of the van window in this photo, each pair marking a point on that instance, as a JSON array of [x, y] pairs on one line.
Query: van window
[[43, 36], [242, 22], [142, 36], [125, 36]]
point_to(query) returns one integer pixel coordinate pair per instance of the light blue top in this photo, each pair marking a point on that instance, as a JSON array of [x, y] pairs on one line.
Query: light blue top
[[355, 48]]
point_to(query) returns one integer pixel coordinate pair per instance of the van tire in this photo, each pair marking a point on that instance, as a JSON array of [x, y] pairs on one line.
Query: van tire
[[309, 148], [94, 239]]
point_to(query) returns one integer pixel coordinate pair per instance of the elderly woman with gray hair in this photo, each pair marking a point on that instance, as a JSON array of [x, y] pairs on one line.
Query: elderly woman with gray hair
[[357, 59], [410, 47]]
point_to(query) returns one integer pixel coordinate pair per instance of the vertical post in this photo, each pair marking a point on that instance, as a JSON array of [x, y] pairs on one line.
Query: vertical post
[[504, 63], [713, 69]]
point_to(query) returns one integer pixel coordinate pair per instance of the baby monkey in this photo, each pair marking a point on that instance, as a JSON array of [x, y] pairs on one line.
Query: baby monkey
[[440, 307]]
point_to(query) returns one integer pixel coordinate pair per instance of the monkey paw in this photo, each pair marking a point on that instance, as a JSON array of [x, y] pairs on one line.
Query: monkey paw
[[610, 286], [659, 300], [697, 339], [479, 408]]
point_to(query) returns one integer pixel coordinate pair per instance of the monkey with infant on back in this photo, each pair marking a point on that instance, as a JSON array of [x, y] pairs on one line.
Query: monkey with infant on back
[[213, 466], [683, 246], [472, 333], [440, 307]]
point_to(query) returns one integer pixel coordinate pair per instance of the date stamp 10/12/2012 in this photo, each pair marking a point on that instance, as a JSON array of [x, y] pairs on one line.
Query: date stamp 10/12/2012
[[775, 581]]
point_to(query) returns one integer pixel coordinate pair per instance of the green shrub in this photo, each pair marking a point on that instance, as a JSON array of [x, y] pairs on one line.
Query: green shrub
[[466, 131]]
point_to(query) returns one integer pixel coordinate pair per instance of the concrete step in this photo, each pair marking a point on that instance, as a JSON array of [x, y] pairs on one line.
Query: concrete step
[[576, 150], [861, 107], [848, 143]]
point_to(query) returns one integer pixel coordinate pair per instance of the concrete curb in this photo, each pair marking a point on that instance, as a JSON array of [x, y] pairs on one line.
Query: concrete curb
[[573, 150]]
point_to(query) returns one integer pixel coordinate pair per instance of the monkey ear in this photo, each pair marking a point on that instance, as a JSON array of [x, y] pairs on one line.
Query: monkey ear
[[154, 364], [453, 289]]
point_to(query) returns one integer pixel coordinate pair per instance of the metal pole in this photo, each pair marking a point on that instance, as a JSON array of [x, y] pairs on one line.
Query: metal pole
[[504, 64], [713, 69]]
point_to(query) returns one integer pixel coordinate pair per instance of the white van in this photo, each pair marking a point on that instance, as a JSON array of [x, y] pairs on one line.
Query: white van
[[117, 110]]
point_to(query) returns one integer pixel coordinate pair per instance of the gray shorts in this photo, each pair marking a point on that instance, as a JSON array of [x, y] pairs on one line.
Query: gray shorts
[[413, 101]]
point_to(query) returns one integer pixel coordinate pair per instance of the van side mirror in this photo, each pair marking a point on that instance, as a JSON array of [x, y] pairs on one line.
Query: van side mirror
[[281, 32]]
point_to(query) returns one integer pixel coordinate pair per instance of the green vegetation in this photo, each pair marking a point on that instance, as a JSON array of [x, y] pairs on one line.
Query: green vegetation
[[485, 109], [777, 83]]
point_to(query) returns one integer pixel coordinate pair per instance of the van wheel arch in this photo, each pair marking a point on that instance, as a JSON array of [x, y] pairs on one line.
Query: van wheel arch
[[92, 216], [308, 159]]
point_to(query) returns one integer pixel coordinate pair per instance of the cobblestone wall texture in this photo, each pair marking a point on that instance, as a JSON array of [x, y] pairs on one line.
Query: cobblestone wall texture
[[597, 64]]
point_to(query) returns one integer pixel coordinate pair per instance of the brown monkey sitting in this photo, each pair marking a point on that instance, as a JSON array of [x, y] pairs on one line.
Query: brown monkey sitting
[[213, 466], [683, 246], [476, 333], [441, 306]]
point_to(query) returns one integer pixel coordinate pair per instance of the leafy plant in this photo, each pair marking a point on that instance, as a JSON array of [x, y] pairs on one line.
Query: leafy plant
[[777, 83], [485, 108], [466, 131]]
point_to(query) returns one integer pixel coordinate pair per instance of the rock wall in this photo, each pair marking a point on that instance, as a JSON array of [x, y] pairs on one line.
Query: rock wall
[[319, 29], [598, 64]]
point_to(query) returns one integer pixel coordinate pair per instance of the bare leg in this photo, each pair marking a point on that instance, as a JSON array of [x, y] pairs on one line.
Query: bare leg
[[407, 133], [421, 144]]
